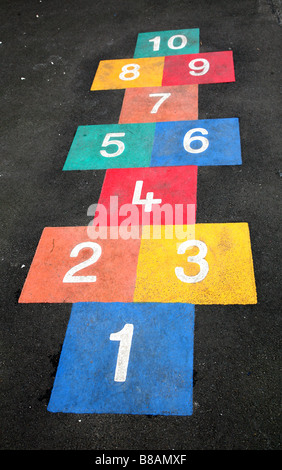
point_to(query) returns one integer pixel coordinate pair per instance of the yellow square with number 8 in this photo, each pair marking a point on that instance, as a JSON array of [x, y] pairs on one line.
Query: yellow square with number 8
[[128, 73], [197, 264]]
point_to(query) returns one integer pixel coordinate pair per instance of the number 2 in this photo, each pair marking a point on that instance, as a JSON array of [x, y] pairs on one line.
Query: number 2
[[97, 251]]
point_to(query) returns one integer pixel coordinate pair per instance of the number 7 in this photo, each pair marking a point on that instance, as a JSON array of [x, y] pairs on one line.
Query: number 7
[[164, 96]]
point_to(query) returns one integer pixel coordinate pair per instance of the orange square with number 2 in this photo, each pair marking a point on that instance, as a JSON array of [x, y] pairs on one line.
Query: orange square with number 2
[[160, 104], [68, 266]]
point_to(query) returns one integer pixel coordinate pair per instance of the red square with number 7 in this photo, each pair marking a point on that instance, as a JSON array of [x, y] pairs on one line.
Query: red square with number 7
[[209, 67]]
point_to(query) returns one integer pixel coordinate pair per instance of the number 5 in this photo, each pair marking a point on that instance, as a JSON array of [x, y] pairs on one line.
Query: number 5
[[107, 142]]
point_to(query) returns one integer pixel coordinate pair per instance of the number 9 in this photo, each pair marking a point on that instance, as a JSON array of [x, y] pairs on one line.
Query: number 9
[[200, 69]]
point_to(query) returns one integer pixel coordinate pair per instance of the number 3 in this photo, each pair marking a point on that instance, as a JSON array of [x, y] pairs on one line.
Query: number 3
[[199, 259]]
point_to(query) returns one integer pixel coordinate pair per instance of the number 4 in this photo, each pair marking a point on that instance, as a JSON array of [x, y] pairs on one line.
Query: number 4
[[148, 202]]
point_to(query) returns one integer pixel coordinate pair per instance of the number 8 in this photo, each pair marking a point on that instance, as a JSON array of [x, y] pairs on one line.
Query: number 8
[[125, 70]]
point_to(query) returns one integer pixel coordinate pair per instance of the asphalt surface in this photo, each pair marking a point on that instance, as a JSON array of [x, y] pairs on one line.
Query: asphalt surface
[[50, 51]]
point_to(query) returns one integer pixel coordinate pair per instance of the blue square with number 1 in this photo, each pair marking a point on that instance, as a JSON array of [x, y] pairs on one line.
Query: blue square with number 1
[[126, 358]]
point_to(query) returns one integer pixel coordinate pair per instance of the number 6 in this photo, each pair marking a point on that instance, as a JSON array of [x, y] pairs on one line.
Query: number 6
[[188, 139]]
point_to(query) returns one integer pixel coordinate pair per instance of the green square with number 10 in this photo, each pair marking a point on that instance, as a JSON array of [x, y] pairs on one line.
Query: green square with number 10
[[165, 43], [111, 146]]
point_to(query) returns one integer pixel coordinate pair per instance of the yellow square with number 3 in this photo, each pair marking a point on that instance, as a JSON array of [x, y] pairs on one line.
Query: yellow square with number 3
[[128, 73], [197, 264]]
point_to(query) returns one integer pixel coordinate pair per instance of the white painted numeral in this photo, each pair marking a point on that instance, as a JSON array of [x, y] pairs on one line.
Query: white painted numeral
[[130, 72], [199, 259], [148, 202], [97, 251], [188, 139], [200, 69], [183, 41], [157, 41], [125, 338], [107, 142], [164, 96]]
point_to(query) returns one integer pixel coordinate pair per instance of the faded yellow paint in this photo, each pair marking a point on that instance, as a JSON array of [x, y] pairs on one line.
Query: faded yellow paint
[[230, 278], [148, 73]]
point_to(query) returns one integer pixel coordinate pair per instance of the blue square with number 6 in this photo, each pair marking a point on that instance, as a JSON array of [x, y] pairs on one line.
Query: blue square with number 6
[[204, 142], [126, 358]]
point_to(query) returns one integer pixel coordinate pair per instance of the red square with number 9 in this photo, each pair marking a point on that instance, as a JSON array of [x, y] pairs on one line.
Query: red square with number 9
[[209, 67]]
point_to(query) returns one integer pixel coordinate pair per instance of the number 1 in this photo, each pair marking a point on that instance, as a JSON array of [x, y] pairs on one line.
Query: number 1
[[125, 338]]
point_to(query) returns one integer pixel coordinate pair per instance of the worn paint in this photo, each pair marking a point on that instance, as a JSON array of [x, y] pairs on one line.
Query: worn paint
[[163, 43], [159, 376], [115, 280], [142, 104], [230, 277], [172, 185]]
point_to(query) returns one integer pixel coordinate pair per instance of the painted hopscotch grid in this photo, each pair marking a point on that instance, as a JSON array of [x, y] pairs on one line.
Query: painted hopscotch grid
[[110, 362]]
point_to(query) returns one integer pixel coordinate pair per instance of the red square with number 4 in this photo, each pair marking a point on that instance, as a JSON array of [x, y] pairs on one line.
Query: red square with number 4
[[147, 196], [209, 67]]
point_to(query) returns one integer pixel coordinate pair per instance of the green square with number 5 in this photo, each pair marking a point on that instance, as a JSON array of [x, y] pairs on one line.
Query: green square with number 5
[[164, 43], [111, 146]]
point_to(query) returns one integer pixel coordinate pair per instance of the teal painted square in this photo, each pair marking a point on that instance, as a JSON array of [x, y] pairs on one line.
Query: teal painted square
[[175, 42], [134, 148], [159, 378]]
